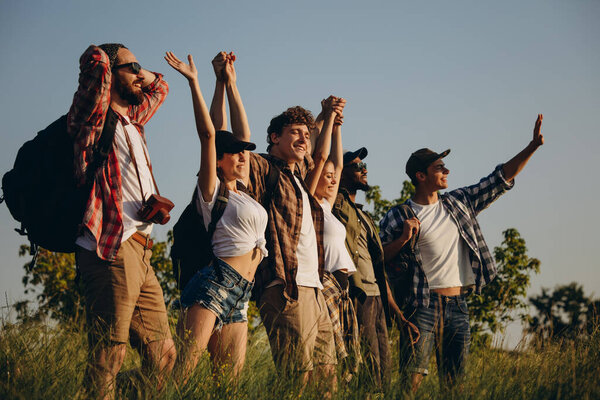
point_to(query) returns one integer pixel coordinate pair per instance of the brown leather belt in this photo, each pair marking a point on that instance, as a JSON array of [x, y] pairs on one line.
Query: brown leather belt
[[144, 240]]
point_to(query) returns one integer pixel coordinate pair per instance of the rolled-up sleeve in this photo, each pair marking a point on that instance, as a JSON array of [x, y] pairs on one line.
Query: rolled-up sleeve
[[487, 190]]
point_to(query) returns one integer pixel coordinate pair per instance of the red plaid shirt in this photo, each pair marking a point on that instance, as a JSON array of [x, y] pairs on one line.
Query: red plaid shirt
[[104, 212]]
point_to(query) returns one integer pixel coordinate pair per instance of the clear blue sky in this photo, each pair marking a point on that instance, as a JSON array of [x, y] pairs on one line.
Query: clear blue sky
[[465, 75]]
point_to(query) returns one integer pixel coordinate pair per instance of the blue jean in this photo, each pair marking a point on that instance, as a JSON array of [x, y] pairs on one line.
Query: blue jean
[[226, 294], [445, 324]]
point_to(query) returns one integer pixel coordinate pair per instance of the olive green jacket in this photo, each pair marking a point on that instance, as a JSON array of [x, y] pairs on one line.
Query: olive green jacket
[[346, 211]]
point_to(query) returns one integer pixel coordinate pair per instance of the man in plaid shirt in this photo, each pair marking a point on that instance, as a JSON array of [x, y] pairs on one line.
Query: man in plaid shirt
[[451, 257], [113, 255]]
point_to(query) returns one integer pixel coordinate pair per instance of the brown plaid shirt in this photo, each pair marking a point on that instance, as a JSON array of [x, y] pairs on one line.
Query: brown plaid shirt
[[285, 220]]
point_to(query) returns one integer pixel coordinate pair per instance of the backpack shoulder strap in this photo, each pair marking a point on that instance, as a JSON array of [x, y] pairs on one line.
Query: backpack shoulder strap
[[104, 144], [407, 212], [270, 184], [218, 209]]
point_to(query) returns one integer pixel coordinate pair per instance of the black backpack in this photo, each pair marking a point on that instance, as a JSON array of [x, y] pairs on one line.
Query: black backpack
[[41, 191], [192, 248], [399, 270]]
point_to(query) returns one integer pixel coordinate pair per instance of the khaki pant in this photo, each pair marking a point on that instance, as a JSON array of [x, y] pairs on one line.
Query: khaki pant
[[122, 296], [300, 332]]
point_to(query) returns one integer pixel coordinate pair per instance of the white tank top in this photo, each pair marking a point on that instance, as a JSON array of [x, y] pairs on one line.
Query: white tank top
[[242, 226], [334, 242]]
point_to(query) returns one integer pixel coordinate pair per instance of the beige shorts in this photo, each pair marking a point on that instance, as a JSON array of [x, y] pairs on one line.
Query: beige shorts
[[123, 297], [300, 332]]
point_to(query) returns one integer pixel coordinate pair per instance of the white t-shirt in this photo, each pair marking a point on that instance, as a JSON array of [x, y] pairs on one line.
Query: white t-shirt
[[334, 243], [306, 253], [444, 254], [131, 194], [241, 227]]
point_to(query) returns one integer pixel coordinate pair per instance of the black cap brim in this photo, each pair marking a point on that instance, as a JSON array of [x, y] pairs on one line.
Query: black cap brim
[[226, 142], [349, 156]]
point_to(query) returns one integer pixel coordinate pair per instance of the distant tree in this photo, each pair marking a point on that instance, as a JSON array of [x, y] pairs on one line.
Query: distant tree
[[381, 205], [58, 295], [564, 313], [52, 280], [504, 299]]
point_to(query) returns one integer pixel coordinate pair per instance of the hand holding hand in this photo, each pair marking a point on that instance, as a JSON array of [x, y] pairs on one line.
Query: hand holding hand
[[327, 105], [229, 74], [410, 228], [538, 138], [218, 64], [339, 119], [338, 105], [187, 70]]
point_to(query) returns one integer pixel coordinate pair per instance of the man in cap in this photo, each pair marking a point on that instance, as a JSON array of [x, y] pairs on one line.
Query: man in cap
[[451, 257], [122, 294], [368, 285]]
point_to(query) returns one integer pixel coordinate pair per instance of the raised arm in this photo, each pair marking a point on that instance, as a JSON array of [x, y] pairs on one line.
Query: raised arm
[[207, 178], [239, 120], [155, 90], [217, 106], [337, 154], [90, 104], [518, 162], [332, 106]]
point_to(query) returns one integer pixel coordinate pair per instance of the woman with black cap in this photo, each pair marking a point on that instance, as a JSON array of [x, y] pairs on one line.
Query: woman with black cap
[[323, 182], [218, 294]]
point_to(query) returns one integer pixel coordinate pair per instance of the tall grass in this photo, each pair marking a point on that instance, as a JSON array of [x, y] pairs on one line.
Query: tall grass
[[39, 361]]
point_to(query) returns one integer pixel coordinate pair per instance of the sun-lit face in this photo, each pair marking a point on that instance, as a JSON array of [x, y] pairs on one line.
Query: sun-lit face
[[436, 177], [358, 172], [293, 143], [233, 165], [327, 185], [127, 84]]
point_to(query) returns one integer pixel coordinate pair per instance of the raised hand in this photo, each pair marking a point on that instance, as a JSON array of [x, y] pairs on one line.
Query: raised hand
[[338, 106], [187, 70], [538, 138], [229, 70], [218, 64]]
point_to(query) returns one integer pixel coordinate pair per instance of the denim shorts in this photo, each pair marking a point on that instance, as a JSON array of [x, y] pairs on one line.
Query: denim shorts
[[226, 295], [445, 326]]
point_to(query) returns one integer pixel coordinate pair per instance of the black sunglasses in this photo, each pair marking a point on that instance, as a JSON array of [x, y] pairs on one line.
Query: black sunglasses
[[135, 67], [359, 166]]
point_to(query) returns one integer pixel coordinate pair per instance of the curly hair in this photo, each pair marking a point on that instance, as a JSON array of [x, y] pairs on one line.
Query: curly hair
[[111, 49], [291, 116]]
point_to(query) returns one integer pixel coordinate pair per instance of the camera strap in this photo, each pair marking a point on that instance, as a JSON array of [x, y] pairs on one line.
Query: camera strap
[[137, 171]]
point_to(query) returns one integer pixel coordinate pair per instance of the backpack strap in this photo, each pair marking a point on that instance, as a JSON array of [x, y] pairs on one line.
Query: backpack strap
[[270, 182], [218, 208], [104, 145], [216, 214], [407, 212]]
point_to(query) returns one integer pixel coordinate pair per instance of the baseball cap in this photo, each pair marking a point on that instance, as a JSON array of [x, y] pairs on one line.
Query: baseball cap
[[349, 156], [421, 159], [227, 143]]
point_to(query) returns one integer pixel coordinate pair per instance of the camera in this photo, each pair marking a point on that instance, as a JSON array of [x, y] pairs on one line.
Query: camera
[[156, 209]]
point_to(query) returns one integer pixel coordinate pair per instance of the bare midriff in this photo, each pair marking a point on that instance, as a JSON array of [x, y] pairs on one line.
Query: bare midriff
[[245, 264], [451, 291]]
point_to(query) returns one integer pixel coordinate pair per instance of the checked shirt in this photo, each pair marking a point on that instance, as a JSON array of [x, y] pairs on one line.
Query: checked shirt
[[285, 220], [104, 211], [464, 205]]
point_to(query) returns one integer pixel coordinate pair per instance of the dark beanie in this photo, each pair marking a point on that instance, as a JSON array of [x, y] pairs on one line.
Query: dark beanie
[[111, 49]]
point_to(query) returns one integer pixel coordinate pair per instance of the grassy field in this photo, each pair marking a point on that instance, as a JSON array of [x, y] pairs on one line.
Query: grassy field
[[42, 362]]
